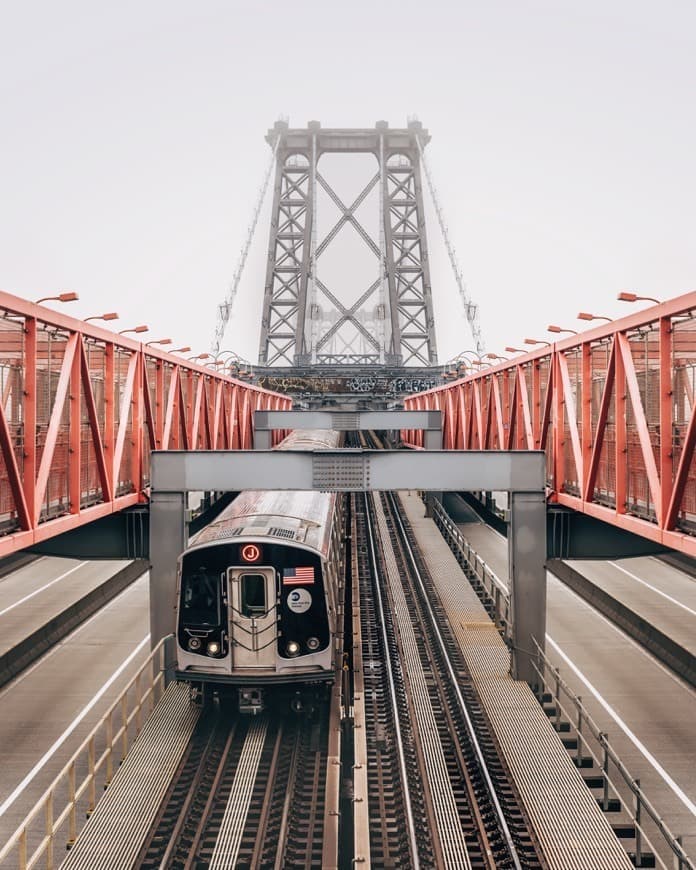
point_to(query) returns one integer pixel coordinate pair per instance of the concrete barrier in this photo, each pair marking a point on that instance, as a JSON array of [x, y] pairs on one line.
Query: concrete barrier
[[676, 657], [59, 626]]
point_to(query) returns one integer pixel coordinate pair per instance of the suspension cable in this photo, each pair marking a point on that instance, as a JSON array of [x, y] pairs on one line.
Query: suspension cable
[[225, 308], [470, 307]]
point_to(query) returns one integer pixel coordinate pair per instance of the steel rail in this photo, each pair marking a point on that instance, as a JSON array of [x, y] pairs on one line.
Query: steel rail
[[392, 689], [502, 822]]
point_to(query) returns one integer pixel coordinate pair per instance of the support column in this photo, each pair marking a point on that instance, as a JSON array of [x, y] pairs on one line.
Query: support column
[[168, 538], [263, 438], [527, 571], [432, 440]]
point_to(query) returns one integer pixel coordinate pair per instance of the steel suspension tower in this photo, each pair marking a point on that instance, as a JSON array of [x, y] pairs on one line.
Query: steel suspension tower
[[387, 320]]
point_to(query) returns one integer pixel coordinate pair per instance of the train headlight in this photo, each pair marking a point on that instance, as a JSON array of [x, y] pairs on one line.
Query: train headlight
[[313, 643], [292, 648], [213, 648], [194, 643]]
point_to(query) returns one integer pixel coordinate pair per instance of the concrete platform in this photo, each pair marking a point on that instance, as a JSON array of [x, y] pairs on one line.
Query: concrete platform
[[573, 832]]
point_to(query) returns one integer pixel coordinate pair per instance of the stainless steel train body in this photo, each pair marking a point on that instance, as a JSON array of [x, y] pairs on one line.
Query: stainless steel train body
[[257, 590]]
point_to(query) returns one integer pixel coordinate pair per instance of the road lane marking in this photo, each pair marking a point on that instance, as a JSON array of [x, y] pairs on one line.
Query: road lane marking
[[22, 675], [36, 592], [670, 674], [683, 797], [650, 586], [73, 725]]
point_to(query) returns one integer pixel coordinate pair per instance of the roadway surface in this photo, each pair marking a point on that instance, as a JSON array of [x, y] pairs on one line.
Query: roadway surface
[[33, 594], [647, 711], [49, 709]]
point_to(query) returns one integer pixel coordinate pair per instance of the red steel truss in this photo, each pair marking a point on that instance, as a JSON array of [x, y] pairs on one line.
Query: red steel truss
[[81, 408], [612, 407]]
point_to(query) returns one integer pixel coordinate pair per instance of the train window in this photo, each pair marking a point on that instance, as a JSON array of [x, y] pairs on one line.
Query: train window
[[253, 595], [200, 602]]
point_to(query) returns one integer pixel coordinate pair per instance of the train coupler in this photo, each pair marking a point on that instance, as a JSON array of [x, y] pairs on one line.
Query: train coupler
[[251, 701]]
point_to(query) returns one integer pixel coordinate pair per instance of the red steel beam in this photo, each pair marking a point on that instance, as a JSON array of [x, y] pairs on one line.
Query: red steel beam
[[632, 445], [53, 464]]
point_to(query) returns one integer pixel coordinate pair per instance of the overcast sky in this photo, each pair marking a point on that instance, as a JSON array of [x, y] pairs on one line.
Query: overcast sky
[[132, 146]]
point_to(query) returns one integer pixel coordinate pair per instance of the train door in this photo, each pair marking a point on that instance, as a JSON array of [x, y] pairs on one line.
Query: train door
[[253, 617]]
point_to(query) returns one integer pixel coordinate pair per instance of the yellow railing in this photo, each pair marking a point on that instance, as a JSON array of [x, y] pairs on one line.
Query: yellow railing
[[92, 765]]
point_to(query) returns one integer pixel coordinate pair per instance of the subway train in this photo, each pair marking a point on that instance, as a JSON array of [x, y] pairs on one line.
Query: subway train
[[258, 595]]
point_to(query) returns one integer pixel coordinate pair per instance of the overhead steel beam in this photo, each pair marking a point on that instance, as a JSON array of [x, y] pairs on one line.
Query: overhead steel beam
[[347, 470], [265, 422]]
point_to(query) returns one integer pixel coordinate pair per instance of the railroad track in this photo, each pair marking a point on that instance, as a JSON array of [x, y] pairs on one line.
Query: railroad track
[[436, 776], [252, 792], [249, 792]]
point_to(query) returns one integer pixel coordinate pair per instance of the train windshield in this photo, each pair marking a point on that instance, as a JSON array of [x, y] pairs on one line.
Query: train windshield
[[200, 601]]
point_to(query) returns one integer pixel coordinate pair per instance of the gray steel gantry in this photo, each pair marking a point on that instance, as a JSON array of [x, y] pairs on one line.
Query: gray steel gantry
[[521, 473]]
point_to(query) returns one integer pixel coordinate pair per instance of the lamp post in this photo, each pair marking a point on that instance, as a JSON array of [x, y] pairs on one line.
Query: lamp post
[[496, 356], [180, 350], [198, 356], [515, 350], [61, 297], [554, 328], [110, 315], [141, 328], [585, 315], [537, 341], [159, 341], [624, 296]]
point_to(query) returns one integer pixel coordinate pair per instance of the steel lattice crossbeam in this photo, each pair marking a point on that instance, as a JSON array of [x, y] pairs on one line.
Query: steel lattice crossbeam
[[82, 407], [304, 320], [614, 410]]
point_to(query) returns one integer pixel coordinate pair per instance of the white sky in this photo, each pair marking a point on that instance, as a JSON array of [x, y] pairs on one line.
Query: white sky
[[131, 148]]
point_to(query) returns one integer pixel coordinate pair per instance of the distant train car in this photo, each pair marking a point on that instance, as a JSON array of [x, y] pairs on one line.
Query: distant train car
[[258, 593]]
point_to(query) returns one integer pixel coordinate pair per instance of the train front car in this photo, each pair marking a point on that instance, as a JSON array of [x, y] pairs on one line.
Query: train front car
[[257, 595]]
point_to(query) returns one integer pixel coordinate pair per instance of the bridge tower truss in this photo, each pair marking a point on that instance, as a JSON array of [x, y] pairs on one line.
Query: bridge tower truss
[[305, 320]]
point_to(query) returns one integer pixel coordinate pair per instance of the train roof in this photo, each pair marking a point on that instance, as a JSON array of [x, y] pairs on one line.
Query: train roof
[[288, 516]]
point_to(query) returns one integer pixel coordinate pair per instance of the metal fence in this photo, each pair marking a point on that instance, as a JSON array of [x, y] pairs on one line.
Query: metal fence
[[627, 790], [72, 796], [591, 741]]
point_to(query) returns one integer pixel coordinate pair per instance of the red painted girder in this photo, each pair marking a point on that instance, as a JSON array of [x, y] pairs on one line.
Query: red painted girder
[[639, 454], [25, 478]]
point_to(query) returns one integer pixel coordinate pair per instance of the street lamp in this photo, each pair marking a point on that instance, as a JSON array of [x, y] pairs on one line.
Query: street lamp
[[537, 341], [496, 356], [199, 356], [141, 328], [180, 350], [585, 315], [515, 350], [159, 341], [554, 328], [633, 297], [110, 315], [62, 297]]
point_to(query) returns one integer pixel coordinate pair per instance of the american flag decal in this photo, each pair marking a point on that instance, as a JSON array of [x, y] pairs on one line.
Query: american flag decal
[[297, 576]]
